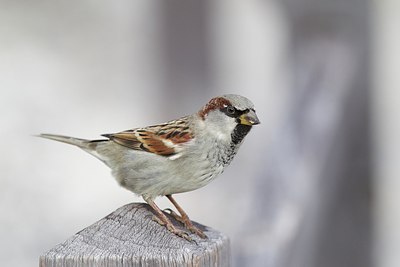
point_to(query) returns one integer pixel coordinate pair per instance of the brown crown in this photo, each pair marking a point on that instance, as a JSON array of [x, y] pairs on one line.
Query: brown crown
[[213, 104]]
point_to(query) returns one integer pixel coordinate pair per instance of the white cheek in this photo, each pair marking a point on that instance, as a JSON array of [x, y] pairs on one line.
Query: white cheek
[[219, 126], [218, 133]]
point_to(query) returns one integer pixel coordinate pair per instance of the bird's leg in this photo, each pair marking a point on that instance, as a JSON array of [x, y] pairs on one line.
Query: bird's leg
[[175, 215], [163, 220], [184, 218]]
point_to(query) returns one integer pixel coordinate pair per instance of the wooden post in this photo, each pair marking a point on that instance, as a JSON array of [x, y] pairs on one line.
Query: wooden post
[[129, 237]]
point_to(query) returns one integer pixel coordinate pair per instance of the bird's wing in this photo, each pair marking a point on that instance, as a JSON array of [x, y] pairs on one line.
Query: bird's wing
[[167, 139]]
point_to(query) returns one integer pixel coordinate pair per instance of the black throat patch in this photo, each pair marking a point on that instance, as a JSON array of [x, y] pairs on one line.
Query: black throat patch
[[239, 133]]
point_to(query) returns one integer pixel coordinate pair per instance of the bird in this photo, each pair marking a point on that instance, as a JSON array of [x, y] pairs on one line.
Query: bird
[[177, 156]]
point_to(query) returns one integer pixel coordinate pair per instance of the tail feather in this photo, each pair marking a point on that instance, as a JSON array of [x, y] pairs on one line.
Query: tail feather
[[89, 146], [82, 143]]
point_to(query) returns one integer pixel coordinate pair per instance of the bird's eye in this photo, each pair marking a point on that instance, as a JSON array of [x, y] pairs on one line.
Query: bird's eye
[[230, 110]]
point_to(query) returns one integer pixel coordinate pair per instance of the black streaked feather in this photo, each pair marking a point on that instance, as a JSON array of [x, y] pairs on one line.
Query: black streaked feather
[[239, 133]]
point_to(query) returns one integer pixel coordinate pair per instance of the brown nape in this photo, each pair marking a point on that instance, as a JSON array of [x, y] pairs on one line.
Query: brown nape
[[213, 104]]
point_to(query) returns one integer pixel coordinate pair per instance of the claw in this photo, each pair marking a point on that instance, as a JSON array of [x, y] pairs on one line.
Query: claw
[[184, 218], [158, 220], [188, 224], [175, 215], [196, 231], [168, 210], [163, 220], [180, 233], [170, 227]]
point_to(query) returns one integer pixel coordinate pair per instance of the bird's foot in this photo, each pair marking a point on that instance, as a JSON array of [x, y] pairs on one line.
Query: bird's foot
[[187, 223], [175, 215], [170, 227], [195, 230]]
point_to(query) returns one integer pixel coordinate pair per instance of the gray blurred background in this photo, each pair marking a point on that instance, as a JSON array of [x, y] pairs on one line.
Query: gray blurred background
[[314, 185]]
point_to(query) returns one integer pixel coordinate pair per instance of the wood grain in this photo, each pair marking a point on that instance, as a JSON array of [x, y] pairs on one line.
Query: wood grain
[[129, 237]]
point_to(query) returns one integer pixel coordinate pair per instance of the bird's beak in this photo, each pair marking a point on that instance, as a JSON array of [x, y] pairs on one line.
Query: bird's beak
[[250, 118]]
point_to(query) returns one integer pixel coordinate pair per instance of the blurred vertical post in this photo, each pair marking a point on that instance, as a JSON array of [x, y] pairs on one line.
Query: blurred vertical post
[[330, 48], [386, 111], [312, 203]]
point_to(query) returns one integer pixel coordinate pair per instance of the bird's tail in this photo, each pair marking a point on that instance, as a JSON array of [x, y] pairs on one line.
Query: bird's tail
[[89, 146], [82, 143]]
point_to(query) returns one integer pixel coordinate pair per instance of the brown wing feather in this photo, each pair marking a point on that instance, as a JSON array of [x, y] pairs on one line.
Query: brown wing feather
[[166, 139]]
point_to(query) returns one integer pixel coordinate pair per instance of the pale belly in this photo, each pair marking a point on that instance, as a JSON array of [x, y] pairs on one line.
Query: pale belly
[[161, 176]]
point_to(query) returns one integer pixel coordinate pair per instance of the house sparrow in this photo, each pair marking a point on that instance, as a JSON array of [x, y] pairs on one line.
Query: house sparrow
[[174, 157]]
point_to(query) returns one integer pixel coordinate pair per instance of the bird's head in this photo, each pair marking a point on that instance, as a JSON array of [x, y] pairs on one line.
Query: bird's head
[[229, 117]]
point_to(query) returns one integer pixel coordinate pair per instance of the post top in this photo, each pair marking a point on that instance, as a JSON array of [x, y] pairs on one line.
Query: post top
[[129, 237]]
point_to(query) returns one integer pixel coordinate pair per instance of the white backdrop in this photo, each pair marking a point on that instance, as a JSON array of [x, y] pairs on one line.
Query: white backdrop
[[84, 68]]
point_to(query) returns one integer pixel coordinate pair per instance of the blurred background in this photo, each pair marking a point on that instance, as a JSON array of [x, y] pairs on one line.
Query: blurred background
[[314, 185]]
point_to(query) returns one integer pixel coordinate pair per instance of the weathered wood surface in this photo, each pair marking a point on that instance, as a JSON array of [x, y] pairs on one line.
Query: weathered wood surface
[[129, 237]]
